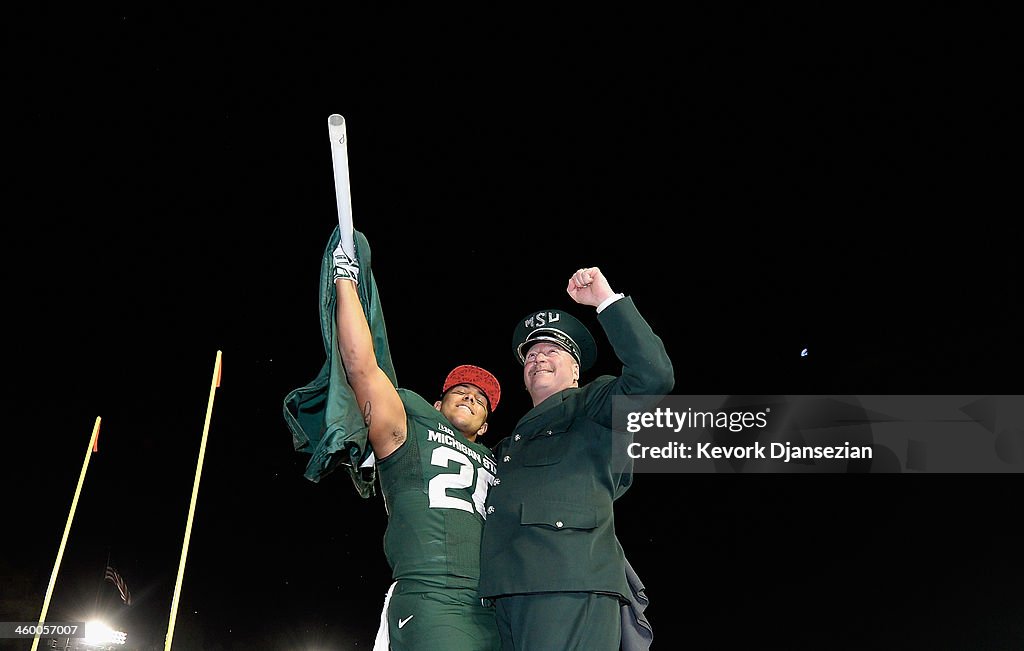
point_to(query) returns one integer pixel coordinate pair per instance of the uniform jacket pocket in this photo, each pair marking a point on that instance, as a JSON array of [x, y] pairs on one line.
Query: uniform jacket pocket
[[559, 515], [545, 447]]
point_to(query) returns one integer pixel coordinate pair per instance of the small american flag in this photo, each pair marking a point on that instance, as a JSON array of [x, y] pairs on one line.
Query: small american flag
[[115, 578]]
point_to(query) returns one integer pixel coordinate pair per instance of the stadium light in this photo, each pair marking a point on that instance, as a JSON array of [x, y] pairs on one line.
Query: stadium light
[[98, 634]]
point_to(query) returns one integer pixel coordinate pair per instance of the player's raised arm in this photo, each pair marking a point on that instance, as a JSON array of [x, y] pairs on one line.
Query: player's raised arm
[[382, 408]]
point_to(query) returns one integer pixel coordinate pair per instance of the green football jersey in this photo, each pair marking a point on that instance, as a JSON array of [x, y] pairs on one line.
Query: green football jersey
[[435, 490]]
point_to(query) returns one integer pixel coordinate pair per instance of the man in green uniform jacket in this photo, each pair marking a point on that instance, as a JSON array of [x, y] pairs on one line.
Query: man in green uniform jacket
[[550, 559]]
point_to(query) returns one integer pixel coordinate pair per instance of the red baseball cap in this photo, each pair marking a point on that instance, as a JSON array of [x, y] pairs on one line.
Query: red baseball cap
[[478, 377]]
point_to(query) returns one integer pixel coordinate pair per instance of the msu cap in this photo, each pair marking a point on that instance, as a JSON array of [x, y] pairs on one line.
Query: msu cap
[[478, 377], [557, 327]]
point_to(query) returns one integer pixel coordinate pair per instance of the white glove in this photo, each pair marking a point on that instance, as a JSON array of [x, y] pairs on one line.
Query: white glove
[[345, 266]]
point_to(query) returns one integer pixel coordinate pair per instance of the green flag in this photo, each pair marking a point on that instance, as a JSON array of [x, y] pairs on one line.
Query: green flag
[[323, 416]]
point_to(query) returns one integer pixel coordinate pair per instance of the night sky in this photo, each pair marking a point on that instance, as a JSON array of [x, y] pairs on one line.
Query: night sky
[[759, 181]]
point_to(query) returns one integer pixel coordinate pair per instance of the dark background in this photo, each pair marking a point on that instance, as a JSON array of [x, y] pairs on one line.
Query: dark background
[[759, 180]]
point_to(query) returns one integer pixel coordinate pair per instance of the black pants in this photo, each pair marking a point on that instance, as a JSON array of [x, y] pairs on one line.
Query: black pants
[[559, 621]]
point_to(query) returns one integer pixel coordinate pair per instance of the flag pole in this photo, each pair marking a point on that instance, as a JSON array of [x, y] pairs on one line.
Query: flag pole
[[342, 191], [93, 442], [192, 506], [96, 606]]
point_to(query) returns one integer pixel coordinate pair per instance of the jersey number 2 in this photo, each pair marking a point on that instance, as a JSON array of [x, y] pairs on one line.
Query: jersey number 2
[[439, 485]]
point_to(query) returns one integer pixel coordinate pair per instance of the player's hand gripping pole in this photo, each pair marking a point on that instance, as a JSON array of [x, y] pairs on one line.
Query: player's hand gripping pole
[[339, 153]]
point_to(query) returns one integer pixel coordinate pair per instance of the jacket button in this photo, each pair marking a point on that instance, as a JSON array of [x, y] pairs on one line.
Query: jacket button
[[507, 458], [559, 524], [490, 509], [549, 432], [516, 437]]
